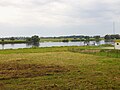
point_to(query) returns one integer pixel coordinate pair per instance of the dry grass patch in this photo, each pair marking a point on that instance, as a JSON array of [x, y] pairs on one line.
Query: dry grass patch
[[16, 70]]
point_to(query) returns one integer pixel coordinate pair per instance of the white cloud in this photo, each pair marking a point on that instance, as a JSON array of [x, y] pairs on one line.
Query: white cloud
[[58, 13]]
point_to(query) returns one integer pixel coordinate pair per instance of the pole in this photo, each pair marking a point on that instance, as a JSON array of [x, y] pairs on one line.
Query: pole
[[114, 33], [113, 27]]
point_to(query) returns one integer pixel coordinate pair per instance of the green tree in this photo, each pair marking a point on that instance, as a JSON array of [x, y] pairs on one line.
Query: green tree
[[12, 38], [87, 40], [97, 38], [35, 39], [28, 40], [107, 37], [2, 40]]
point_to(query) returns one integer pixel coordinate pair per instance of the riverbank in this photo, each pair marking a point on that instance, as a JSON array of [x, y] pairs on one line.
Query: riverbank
[[69, 39], [58, 68], [13, 42]]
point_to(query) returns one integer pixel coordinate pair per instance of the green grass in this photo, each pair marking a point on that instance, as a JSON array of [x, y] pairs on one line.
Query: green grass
[[61, 39], [44, 49], [51, 40], [107, 45], [57, 68], [35, 50], [55, 39], [98, 50], [10, 41]]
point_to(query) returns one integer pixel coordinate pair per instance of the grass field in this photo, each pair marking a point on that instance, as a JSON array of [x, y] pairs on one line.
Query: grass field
[[12, 42], [58, 68], [61, 39]]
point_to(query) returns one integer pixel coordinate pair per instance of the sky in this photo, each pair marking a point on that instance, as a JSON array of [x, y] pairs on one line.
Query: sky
[[59, 17]]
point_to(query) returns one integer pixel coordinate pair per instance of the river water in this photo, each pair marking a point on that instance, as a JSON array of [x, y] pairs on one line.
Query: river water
[[51, 44]]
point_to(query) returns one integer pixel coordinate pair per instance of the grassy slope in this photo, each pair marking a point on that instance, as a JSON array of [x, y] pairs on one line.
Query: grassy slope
[[57, 68]]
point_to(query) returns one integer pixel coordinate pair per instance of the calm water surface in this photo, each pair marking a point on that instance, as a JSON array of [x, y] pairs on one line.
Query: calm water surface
[[50, 44]]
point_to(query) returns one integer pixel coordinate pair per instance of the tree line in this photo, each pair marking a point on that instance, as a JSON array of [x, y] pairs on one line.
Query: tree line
[[30, 40], [112, 37], [36, 39]]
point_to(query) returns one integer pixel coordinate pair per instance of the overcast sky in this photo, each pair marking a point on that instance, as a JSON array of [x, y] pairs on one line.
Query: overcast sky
[[58, 17]]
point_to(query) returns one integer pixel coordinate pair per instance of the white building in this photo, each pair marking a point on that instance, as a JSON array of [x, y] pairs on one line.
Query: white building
[[117, 44]]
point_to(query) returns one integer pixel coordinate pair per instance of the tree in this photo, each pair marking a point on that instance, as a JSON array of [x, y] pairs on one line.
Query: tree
[[65, 40], [35, 39], [2, 40], [87, 40], [97, 38], [28, 40], [107, 37], [112, 37], [116, 36], [12, 38]]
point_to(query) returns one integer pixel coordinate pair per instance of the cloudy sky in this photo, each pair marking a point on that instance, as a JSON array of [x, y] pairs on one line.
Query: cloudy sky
[[58, 17]]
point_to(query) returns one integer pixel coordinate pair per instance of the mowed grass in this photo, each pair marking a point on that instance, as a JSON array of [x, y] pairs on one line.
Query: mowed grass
[[57, 68]]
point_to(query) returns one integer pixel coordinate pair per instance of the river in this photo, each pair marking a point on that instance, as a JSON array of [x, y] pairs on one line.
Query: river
[[51, 44]]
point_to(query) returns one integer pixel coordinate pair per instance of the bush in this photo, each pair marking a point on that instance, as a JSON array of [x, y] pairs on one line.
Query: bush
[[65, 40]]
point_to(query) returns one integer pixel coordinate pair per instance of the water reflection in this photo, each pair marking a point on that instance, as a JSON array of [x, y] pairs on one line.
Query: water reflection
[[36, 44], [50, 44], [2, 46], [32, 45]]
